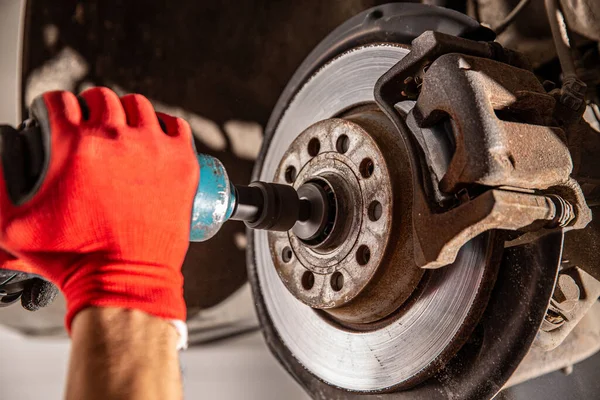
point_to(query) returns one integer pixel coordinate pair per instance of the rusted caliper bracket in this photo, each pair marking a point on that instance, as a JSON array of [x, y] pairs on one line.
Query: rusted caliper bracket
[[506, 147]]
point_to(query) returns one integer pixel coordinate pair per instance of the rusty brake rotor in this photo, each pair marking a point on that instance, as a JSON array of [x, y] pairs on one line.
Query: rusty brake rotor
[[347, 298]]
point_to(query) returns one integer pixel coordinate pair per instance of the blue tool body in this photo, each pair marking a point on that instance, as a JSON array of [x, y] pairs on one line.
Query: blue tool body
[[260, 205], [215, 199]]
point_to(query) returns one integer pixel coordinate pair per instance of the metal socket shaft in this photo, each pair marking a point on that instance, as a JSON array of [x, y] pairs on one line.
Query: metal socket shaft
[[269, 206]]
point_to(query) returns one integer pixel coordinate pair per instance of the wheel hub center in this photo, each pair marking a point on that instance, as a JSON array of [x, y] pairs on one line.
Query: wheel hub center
[[330, 260], [316, 230]]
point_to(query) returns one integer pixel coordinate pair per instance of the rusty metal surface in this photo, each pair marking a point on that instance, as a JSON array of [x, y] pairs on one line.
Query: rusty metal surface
[[563, 304], [582, 247], [392, 23], [480, 369], [361, 252], [432, 325], [584, 144], [401, 82], [501, 121], [484, 98], [439, 236], [575, 293], [581, 343]]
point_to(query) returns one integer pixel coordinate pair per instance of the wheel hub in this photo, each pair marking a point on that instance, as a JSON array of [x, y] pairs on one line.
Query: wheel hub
[[346, 164]]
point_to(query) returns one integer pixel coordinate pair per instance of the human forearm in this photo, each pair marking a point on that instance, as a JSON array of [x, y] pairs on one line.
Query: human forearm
[[123, 354]]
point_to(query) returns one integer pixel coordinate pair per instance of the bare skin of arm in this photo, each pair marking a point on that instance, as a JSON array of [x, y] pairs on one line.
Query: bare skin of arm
[[123, 354]]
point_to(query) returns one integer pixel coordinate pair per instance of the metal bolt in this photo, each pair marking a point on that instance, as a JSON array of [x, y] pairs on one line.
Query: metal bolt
[[568, 370], [562, 304], [564, 213], [572, 94], [566, 294]]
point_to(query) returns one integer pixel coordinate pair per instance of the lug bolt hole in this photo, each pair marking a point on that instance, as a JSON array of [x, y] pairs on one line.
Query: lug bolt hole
[[366, 168], [337, 281], [375, 210], [363, 255], [314, 146], [342, 144], [308, 280], [287, 254], [290, 174]]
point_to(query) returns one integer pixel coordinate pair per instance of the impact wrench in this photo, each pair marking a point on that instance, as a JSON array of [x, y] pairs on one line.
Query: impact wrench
[[260, 205]]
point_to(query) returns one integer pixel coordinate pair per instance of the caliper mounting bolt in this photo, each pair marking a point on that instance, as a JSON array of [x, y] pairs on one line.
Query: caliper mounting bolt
[[564, 213]]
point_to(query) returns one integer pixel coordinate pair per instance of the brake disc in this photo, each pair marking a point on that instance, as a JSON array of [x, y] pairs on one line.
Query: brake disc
[[429, 327]]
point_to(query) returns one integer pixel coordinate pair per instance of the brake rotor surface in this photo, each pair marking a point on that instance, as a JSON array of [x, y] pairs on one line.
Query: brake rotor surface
[[427, 331]]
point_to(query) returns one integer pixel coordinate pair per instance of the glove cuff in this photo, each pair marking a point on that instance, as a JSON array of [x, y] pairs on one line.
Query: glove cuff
[[156, 290]]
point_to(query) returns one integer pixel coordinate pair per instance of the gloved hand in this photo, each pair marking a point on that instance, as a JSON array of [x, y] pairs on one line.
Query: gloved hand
[[108, 220]]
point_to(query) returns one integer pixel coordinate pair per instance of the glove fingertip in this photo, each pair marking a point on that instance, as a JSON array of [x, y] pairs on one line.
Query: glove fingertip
[[38, 294], [56, 105]]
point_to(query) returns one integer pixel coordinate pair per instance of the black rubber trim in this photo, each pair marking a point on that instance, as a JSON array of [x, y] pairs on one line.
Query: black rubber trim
[[13, 162], [39, 114]]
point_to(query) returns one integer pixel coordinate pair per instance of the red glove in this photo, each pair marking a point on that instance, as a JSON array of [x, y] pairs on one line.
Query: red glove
[[108, 221]]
